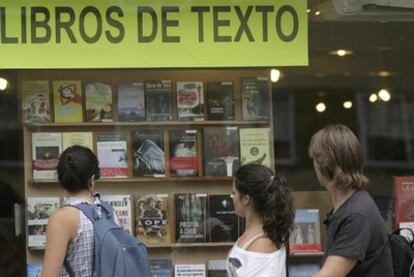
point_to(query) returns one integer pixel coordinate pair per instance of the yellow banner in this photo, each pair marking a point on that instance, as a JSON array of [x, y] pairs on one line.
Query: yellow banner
[[152, 34]]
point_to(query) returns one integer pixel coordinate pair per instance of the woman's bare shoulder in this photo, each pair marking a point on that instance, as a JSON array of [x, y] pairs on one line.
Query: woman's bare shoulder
[[263, 245], [66, 216]]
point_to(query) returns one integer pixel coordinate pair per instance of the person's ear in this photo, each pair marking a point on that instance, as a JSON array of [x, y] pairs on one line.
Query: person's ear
[[91, 184], [245, 199]]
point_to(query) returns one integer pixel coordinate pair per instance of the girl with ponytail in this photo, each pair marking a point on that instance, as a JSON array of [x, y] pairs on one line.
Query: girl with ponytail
[[266, 203]]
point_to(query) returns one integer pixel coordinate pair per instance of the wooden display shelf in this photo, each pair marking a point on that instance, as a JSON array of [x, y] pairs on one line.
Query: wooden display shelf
[[150, 123], [306, 254], [189, 245], [144, 179]]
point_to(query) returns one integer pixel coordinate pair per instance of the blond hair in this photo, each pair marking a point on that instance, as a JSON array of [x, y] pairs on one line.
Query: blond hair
[[338, 153]]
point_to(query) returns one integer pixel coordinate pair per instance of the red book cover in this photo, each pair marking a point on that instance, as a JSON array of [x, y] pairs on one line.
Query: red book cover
[[403, 200]]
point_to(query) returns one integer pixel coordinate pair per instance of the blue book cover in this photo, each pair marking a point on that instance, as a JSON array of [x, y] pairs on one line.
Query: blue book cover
[[34, 270], [131, 102], [304, 269], [161, 268]]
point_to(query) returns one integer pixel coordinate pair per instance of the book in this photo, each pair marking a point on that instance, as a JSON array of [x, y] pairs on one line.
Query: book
[[152, 223], [191, 217], [403, 202], [112, 155], [131, 102], [34, 270], [221, 151], [39, 209], [217, 268], [121, 204], [223, 223], [255, 98], [77, 138], [303, 269], [148, 152], [255, 146], [306, 234], [158, 100], [190, 101], [161, 268], [46, 149], [98, 102], [183, 152], [189, 270], [220, 102], [67, 99], [35, 101]]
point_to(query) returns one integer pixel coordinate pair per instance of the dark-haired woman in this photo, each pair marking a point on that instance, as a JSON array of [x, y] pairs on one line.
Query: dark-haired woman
[[70, 233], [266, 203]]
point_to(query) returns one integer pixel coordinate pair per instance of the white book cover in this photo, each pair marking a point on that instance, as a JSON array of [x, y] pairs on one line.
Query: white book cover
[[112, 155], [39, 209], [121, 204], [46, 149], [190, 270]]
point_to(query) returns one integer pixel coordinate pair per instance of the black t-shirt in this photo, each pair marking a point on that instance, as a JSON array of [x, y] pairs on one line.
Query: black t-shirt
[[357, 231]]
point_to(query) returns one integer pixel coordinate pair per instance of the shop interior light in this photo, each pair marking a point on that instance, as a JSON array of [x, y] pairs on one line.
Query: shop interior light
[[308, 10], [341, 52], [317, 12], [384, 95], [373, 98], [347, 104], [320, 107], [274, 75], [384, 73], [3, 83]]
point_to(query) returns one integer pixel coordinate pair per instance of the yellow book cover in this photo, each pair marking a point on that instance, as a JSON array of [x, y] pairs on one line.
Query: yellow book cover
[[35, 101], [67, 98], [255, 146], [77, 138]]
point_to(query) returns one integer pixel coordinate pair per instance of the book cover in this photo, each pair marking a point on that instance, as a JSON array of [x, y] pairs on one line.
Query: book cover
[[112, 155], [217, 268], [403, 201], [148, 152], [306, 234], [190, 270], [255, 146], [222, 222], [220, 102], [161, 268], [98, 102], [39, 209], [46, 149], [221, 151], [190, 101], [131, 102], [35, 101], [152, 223], [67, 99], [255, 98], [121, 204], [34, 270], [183, 152], [304, 269], [77, 138], [191, 217], [158, 100]]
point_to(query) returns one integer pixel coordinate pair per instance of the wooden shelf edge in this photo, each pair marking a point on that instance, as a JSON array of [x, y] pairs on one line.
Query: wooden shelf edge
[[189, 245], [306, 254]]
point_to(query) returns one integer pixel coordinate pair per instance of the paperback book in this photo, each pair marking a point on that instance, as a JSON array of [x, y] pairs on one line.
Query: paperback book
[[152, 223], [191, 217], [190, 101], [34, 270], [35, 101], [255, 146], [403, 201], [223, 223], [190, 270], [220, 102], [46, 149], [306, 235], [67, 99], [303, 269], [84, 139], [112, 155], [221, 151], [39, 209], [183, 152], [131, 102], [255, 98], [158, 100], [121, 204], [98, 102], [148, 152], [217, 268], [161, 268]]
